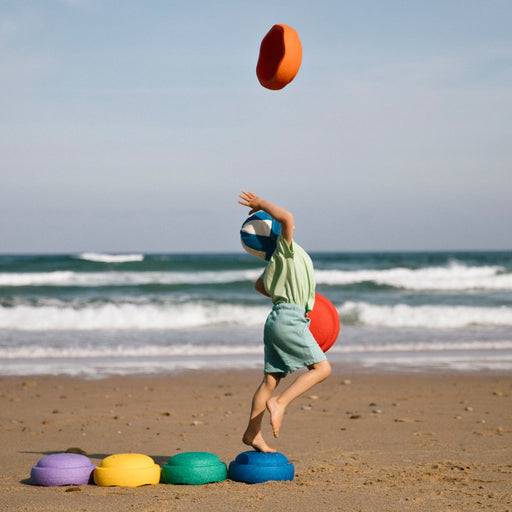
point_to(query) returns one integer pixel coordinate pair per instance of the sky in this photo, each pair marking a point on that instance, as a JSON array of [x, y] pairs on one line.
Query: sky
[[129, 126]]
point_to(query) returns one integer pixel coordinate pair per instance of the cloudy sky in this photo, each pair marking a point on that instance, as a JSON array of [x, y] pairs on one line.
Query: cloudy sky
[[132, 126]]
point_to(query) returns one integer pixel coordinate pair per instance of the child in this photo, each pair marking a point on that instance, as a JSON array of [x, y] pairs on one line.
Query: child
[[289, 345]]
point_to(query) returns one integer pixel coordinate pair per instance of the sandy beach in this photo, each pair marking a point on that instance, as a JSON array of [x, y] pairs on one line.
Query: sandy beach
[[366, 442]]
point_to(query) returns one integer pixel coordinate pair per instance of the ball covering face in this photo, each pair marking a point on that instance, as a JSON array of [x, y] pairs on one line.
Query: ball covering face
[[259, 235]]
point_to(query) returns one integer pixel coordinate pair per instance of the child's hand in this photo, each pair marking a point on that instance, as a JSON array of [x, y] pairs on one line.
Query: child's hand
[[282, 216], [251, 200]]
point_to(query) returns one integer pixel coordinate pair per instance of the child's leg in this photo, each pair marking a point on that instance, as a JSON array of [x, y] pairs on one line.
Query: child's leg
[[277, 404], [252, 435]]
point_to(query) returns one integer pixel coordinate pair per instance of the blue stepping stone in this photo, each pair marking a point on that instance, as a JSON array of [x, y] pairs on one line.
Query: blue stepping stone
[[194, 468], [62, 469], [254, 467]]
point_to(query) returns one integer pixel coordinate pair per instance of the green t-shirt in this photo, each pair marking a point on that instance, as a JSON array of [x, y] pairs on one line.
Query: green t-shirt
[[289, 276]]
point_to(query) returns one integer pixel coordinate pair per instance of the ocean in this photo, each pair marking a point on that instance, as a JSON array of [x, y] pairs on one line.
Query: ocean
[[92, 315]]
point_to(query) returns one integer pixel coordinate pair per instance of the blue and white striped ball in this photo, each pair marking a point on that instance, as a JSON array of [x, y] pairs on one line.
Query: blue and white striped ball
[[259, 235]]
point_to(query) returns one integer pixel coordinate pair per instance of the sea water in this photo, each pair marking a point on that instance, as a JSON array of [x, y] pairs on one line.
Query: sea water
[[95, 315]]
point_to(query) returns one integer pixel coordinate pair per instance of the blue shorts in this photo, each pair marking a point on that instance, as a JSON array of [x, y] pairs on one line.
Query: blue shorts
[[289, 344]]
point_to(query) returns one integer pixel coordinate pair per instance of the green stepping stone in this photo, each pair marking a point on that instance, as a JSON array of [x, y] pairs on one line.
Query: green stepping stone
[[194, 468]]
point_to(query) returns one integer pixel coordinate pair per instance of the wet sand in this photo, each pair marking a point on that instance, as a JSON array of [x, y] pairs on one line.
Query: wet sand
[[369, 442]]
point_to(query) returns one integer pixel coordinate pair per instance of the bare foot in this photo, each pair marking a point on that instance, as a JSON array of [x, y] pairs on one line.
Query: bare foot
[[276, 415], [257, 442]]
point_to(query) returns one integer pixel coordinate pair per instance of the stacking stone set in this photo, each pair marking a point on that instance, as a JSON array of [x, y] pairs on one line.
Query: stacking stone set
[[135, 469]]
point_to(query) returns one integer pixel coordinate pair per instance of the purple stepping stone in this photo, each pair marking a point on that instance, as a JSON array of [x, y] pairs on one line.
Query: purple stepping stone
[[62, 469]]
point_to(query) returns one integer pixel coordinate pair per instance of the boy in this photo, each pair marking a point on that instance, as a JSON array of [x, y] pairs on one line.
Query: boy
[[289, 345]]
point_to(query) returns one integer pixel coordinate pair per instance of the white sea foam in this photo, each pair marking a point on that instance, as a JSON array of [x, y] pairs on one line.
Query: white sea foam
[[129, 316], [143, 315], [112, 278], [454, 277], [431, 317], [145, 351], [98, 369], [57, 278], [102, 361], [208, 351], [110, 258], [436, 346]]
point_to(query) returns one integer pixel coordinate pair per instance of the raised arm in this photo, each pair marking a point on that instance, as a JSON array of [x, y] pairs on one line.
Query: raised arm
[[284, 217]]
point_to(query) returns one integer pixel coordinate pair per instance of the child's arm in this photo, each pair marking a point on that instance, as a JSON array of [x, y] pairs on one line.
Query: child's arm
[[260, 287], [282, 216]]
